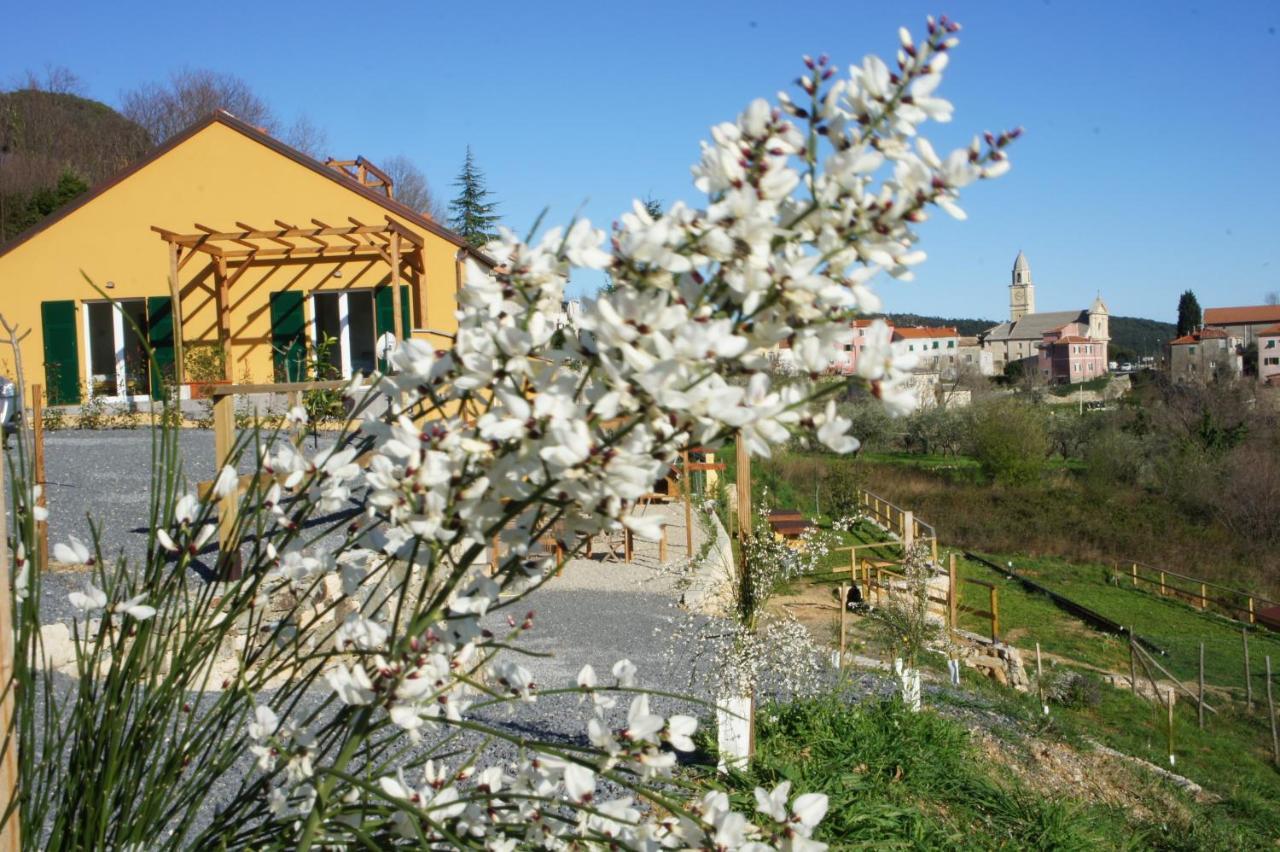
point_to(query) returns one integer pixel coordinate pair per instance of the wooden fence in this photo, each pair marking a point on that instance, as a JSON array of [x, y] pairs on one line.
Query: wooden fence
[[901, 522], [1201, 594], [877, 581]]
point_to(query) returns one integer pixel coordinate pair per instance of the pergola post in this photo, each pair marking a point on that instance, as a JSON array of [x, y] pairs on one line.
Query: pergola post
[[397, 313], [175, 315], [222, 305]]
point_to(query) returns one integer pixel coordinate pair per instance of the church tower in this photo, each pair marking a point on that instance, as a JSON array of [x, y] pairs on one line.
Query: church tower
[[1099, 320], [1022, 292]]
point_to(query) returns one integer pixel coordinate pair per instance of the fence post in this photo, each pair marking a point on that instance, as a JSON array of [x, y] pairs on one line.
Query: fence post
[[1253, 619], [37, 465], [1271, 711], [662, 546], [953, 593], [1200, 700], [853, 565], [1204, 600], [995, 614], [1248, 678], [933, 547], [627, 545], [224, 439], [10, 834], [844, 611], [1135, 573], [688, 506], [1040, 679], [1162, 583], [908, 530], [1172, 697], [1133, 667]]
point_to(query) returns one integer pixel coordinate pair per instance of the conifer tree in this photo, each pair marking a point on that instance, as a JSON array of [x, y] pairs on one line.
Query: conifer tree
[[1189, 316], [471, 214]]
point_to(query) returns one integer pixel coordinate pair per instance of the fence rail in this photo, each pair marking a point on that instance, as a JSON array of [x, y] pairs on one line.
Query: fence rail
[[1235, 604], [901, 522]]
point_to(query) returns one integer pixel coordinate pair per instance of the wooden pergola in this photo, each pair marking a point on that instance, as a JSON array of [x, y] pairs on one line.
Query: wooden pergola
[[235, 251]]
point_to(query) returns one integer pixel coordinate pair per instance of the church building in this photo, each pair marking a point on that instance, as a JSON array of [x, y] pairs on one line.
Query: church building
[[1064, 346]]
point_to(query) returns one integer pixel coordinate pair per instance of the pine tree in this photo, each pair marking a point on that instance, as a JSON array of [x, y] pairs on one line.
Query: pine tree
[[1189, 317], [471, 214]]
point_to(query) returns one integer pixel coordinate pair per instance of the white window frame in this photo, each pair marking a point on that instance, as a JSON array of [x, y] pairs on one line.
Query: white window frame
[[117, 333], [344, 322]]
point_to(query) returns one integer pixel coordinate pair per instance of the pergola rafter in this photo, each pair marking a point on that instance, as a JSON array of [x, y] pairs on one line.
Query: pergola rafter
[[233, 251]]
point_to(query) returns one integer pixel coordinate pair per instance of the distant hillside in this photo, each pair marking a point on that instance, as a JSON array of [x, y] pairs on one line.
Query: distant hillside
[[1131, 337], [53, 146], [966, 327]]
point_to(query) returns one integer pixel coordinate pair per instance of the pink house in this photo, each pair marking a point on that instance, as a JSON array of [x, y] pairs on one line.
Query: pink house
[[1069, 355], [846, 360], [1269, 355]]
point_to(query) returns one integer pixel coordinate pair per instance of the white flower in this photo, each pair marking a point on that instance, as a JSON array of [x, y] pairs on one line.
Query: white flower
[[680, 730], [360, 632], [91, 599], [74, 553], [226, 483], [351, 684], [625, 672], [774, 804], [265, 723], [135, 608]]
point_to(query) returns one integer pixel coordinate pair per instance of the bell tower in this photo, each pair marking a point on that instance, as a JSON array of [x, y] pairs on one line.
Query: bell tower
[[1022, 291]]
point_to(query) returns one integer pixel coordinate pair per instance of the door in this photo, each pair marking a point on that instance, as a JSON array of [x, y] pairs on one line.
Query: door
[[288, 341], [116, 360], [344, 331]]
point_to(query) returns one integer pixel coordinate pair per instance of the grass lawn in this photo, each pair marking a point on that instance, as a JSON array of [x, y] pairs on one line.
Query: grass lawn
[[1171, 624]]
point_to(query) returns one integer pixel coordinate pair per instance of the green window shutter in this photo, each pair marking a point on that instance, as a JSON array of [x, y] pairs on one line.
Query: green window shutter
[[61, 352], [384, 314], [288, 336], [160, 339]]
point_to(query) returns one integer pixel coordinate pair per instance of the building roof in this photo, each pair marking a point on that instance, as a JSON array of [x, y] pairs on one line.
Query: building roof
[[1245, 315], [1020, 262], [1270, 331], [917, 332], [1034, 326], [1071, 338], [1197, 336], [257, 135]]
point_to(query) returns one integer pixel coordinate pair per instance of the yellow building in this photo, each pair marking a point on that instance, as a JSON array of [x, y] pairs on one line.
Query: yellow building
[[263, 252]]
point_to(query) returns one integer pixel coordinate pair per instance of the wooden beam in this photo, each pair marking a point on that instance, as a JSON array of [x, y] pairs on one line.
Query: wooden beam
[[175, 310], [360, 249], [397, 315], [224, 321], [218, 391], [269, 236]]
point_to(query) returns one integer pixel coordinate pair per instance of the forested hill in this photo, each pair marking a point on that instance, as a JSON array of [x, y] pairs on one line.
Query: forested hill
[[55, 146], [1131, 337]]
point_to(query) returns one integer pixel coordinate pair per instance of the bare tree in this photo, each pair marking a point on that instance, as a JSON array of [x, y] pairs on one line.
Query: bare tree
[[191, 95], [307, 136], [1272, 298], [58, 79], [411, 187]]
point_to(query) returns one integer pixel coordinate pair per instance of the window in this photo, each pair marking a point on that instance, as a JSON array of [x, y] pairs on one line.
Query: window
[[1191, 350], [116, 358], [1271, 344], [1272, 362], [345, 320], [951, 344], [935, 344]]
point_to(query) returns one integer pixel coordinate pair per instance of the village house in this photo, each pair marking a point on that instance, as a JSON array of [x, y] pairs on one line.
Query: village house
[[934, 347], [1269, 355], [1243, 323], [233, 256], [1205, 355]]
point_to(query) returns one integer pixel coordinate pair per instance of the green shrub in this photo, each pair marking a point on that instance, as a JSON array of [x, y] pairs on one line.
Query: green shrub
[[1010, 442]]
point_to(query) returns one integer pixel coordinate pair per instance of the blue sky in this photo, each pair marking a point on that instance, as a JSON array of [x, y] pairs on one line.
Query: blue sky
[[1149, 164]]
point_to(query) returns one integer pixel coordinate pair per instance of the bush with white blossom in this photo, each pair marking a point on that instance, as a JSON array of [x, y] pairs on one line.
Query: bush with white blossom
[[520, 430]]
